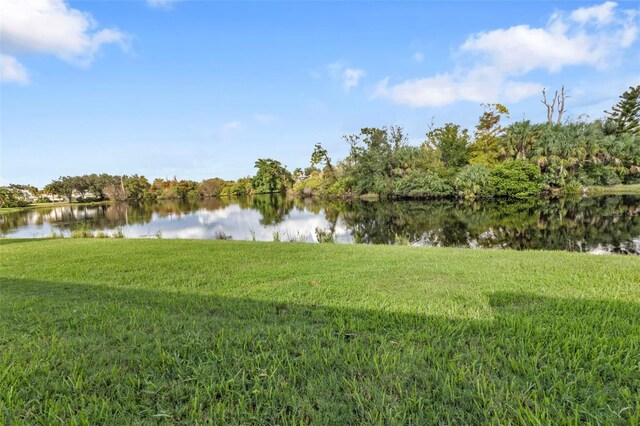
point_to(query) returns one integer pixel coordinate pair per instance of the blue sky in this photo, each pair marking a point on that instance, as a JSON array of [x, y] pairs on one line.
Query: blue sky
[[200, 89]]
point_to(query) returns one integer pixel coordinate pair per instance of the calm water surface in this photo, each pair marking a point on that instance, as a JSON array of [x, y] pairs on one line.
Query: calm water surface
[[608, 224]]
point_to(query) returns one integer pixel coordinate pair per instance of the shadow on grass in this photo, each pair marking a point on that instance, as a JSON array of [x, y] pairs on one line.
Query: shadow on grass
[[7, 241], [122, 355]]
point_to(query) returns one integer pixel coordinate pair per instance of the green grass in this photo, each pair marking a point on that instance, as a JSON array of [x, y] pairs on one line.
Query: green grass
[[614, 190], [187, 332]]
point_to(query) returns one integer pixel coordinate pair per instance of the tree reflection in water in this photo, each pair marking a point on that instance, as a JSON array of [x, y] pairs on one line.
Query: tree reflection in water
[[608, 224]]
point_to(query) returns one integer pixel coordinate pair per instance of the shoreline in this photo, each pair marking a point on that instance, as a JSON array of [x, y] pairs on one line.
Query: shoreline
[[587, 191]]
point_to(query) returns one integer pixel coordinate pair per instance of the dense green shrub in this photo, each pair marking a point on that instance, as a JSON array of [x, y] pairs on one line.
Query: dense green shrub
[[340, 189], [516, 179], [612, 175], [313, 186], [384, 186], [239, 188], [168, 194], [211, 187], [422, 184], [633, 177], [604, 175], [473, 181], [193, 194], [10, 197], [572, 187]]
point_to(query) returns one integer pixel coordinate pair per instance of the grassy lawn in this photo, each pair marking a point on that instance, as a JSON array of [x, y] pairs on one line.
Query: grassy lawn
[[184, 332]]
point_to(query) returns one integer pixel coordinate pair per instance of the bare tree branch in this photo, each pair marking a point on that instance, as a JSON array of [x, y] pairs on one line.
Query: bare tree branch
[[561, 104], [550, 107]]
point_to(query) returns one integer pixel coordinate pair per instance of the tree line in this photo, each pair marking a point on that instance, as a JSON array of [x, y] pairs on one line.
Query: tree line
[[494, 160], [518, 160]]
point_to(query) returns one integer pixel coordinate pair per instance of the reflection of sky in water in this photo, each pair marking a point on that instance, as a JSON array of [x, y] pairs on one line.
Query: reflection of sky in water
[[41, 223], [601, 225], [239, 223]]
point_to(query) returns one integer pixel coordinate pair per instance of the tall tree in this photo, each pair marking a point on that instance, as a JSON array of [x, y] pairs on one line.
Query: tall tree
[[320, 156], [135, 187], [452, 144], [371, 160], [518, 140], [271, 177], [212, 187], [66, 185], [484, 149], [625, 115]]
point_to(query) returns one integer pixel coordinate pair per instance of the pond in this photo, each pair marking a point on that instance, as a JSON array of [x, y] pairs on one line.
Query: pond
[[608, 224]]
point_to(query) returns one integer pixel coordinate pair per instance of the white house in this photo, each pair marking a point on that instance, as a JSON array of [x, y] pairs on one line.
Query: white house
[[28, 196], [77, 194]]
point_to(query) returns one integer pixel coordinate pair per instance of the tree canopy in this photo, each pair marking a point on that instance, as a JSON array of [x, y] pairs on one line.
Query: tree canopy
[[625, 115]]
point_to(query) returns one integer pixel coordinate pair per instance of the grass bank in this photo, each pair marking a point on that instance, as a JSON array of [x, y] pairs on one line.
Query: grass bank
[[175, 331], [614, 190], [50, 205]]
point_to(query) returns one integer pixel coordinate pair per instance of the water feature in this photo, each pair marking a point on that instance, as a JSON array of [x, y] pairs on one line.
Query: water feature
[[608, 224]]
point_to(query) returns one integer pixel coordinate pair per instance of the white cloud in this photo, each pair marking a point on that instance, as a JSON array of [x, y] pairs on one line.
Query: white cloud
[[52, 27], [160, 3], [264, 118], [349, 77], [443, 89], [593, 36], [515, 91], [563, 42], [521, 49], [12, 71], [418, 57], [602, 14]]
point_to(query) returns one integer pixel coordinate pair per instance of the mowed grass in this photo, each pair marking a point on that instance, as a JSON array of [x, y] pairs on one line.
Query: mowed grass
[[223, 332]]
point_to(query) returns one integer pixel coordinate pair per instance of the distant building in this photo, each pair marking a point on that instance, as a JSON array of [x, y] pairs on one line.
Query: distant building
[[55, 198], [77, 194], [28, 196]]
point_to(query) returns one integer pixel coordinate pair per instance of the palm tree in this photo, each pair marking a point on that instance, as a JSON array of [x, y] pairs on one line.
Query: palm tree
[[518, 139]]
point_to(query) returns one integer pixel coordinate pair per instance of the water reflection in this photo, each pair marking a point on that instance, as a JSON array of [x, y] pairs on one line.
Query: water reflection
[[601, 224]]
